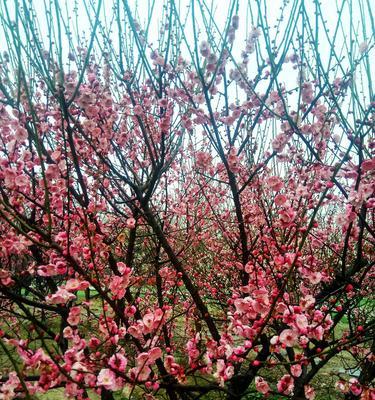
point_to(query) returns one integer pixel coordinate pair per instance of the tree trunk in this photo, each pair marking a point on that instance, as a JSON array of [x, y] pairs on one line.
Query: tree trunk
[[238, 386], [106, 395]]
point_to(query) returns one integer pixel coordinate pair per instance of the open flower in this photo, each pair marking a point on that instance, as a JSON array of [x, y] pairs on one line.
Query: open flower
[[301, 322], [285, 385], [74, 284], [296, 370], [130, 223], [118, 361], [107, 379], [309, 392], [275, 183], [288, 337], [261, 385], [62, 296], [74, 316]]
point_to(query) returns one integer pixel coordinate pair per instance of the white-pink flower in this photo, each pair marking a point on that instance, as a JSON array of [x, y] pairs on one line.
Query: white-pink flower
[[107, 379], [309, 392], [148, 321], [288, 337], [287, 216], [74, 284], [314, 277], [154, 354], [317, 333], [307, 301], [301, 322], [74, 316], [285, 385], [62, 296], [261, 301], [261, 385], [140, 373], [68, 332], [130, 223]]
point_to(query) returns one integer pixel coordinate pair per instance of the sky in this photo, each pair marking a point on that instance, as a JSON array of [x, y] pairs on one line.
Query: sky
[[79, 12]]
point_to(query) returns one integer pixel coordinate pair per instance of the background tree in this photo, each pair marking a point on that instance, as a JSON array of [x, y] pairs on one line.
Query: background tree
[[186, 202]]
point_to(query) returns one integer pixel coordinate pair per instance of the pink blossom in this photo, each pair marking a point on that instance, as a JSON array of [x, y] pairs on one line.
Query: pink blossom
[[243, 305], [296, 370], [173, 367], [21, 180], [61, 236], [21, 134], [76, 368], [285, 385], [62, 296], [275, 340], [73, 285], [261, 303], [203, 159], [154, 354], [288, 337], [275, 183], [123, 269], [192, 349], [119, 284], [46, 270], [8, 388], [261, 385], [355, 387], [59, 268], [53, 171], [307, 301], [130, 223], [118, 361], [204, 49], [106, 378], [223, 371], [301, 322], [148, 321], [136, 330], [303, 341], [68, 332], [138, 110], [314, 277], [74, 316], [287, 216], [317, 333], [117, 288], [229, 372], [233, 160], [280, 199], [307, 93], [368, 165], [309, 392], [279, 142], [9, 177], [140, 373]]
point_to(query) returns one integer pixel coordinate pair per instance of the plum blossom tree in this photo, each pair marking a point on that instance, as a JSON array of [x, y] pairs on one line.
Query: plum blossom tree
[[186, 203]]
